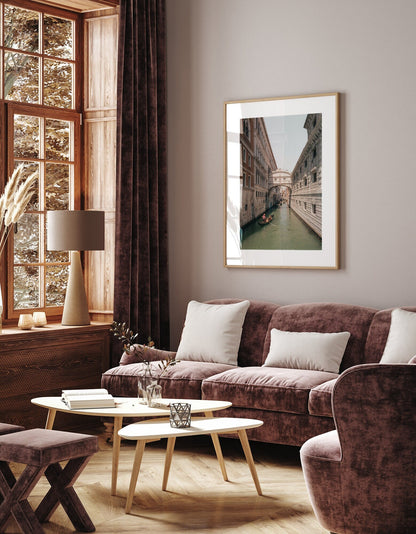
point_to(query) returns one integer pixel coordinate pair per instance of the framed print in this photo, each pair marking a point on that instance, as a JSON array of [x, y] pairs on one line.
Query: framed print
[[281, 182]]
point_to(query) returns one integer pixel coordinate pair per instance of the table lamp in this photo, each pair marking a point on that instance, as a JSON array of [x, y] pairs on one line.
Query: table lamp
[[75, 231]]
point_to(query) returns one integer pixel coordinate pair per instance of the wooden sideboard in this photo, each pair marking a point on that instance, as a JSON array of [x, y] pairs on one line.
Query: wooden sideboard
[[43, 361]]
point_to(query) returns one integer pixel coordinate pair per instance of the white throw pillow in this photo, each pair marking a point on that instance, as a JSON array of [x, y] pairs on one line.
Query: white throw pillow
[[212, 332], [401, 342], [307, 350]]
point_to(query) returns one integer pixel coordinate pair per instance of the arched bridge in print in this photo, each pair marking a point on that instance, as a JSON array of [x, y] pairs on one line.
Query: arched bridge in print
[[279, 179]]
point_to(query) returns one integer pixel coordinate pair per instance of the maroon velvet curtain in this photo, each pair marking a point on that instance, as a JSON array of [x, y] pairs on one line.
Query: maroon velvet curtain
[[141, 263]]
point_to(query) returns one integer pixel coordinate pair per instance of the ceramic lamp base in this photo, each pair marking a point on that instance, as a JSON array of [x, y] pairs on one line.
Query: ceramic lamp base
[[76, 305]]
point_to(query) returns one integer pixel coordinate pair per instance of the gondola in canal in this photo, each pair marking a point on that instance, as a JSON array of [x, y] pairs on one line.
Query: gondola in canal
[[265, 220]]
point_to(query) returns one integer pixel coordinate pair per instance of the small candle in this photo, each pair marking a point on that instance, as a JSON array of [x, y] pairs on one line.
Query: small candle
[[25, 321], [39, 318]]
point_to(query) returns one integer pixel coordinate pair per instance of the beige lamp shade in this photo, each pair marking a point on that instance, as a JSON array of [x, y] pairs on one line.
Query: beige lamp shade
[[75, 231]]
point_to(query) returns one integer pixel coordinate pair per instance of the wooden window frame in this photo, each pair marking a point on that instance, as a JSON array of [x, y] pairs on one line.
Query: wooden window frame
[[75, 193], [7, 107]]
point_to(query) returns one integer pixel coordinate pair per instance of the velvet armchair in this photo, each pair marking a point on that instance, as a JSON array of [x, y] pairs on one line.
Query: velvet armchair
[[361, 476]]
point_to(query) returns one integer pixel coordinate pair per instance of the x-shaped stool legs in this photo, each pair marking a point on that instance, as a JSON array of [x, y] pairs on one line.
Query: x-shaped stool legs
[[15, 494], [61, 491]]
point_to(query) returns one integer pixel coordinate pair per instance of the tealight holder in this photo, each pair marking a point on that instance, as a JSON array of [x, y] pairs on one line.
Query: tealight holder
[[39, 318], [25, 321], [180, 415]]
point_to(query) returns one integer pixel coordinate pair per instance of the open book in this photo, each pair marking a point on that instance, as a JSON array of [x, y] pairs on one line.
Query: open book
[[88, 398]]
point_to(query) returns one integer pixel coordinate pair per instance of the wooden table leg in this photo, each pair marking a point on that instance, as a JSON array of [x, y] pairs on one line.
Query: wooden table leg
[[168, 461], [247, 452], [118, 421], [50, 419], [135, 472], [218, 450]]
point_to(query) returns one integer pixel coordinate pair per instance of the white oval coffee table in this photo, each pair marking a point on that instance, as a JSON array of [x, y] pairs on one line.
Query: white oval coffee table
[[156, 429], [130, 407]]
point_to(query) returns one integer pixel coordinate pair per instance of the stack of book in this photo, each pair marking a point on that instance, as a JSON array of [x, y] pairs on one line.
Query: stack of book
[[87, 398]]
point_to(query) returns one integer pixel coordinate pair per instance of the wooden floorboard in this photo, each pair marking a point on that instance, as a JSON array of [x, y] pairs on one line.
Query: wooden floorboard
[[197, 499]]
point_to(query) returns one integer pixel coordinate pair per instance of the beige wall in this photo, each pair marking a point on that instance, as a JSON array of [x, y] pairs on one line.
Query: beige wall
[[237, 49]]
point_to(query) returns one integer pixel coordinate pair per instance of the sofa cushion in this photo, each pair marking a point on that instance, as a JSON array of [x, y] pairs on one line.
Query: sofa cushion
[[401, 342], [182, 380], [307, 350], [141, 353], [320, 399], [326, 317], [378, 334], [212, 332], [266, 388], [255, 329]]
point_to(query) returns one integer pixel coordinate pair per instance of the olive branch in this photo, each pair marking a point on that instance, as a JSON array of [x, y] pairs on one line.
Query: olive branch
[[129, 338]]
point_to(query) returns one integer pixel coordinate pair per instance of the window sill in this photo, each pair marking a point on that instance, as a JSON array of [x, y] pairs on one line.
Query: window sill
[[53, 328]]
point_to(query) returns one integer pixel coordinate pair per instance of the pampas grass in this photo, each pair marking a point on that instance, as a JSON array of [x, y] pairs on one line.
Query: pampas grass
[[13, 201]]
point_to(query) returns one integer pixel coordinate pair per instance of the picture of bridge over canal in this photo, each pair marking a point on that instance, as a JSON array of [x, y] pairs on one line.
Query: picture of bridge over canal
[[281, 183]]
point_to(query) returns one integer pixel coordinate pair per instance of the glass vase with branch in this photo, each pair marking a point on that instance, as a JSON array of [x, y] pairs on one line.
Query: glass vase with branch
[[148, 382]]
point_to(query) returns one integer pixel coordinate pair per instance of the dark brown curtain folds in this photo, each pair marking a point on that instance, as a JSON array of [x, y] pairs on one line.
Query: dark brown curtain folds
[[141, 263]]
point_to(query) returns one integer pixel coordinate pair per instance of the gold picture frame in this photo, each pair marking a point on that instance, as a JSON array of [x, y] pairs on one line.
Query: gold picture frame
[[282, 182]]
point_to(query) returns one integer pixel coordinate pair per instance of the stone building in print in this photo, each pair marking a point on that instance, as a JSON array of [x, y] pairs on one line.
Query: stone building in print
[[257, 165], [306, 197]]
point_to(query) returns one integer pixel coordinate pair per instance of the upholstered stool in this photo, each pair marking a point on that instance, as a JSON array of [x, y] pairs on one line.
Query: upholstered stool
[[5, 428], [41, 451]]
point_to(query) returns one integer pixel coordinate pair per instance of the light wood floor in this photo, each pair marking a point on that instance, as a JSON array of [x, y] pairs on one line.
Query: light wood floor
[[197, 500]]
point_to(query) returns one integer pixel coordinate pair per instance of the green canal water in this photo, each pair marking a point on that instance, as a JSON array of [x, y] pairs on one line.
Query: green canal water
[[286, 232]]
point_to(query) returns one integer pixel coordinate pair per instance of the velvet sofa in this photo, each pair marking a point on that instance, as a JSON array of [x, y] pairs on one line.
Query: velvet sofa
[[295, 404]]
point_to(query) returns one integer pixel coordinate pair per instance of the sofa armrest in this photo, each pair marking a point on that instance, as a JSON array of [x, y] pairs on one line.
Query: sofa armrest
[[139, 353]]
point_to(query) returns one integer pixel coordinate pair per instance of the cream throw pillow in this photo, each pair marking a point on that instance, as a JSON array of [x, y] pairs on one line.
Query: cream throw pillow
[[307, 350], [212, 332], [401, 342]]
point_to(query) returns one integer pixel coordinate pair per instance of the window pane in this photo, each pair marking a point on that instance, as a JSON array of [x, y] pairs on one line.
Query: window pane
[[21, 77], [26, 239], [56, 256], [21, 29], [26, 136], [56, 282], [57, 139], [57, 83], [26, 287], [27, 170], [57, 186], [58, 37]]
